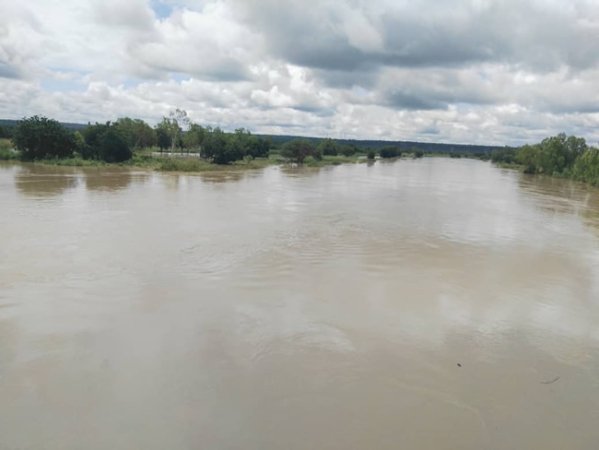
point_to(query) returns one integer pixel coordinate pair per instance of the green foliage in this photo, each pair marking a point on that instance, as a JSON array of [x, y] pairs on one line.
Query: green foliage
[[6, 150], [225, 148], [371, 155], [258, 147], [328, 147], [215, 146], [418, 153], [137, 133], [299, 149], [390, 152], [586, 167], [104, 142], [505, 155], [554, 155], [168, 133], [163, 139], [349, 150], [194, 137], [39, 137]]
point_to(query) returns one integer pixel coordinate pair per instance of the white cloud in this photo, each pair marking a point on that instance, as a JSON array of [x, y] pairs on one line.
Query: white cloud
[[470, 71]]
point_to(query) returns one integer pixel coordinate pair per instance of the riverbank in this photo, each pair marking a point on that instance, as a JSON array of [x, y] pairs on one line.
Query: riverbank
[[193, 163]]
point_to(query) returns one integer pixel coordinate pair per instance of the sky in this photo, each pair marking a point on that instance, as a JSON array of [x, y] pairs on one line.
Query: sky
[[496, 72]]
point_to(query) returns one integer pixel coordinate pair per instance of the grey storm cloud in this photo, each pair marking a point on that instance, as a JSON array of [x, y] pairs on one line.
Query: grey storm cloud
[[8, 71], [540, 35], [477, 71]]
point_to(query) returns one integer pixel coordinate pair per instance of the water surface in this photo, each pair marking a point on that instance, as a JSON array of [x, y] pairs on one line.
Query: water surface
[[427, 304]]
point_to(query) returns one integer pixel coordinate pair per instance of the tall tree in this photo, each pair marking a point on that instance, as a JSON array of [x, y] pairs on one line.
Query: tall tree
[[39, 137], [136, 132]]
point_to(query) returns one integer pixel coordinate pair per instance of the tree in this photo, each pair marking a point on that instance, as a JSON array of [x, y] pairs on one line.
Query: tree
[[163, 139], [586, 167], [258, 147], [171, 128], [390, 152], [215, 142], [299, 149], [328, 147], [554, 155], [504, 155], [39, 137], [136, 132], [222, 149], [179, 121], [105, 142], [194, 137], [349, 150]]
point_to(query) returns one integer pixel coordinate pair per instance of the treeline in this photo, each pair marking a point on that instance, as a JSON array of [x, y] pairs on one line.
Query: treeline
[[38, 138], [405, 146], [561, 155]]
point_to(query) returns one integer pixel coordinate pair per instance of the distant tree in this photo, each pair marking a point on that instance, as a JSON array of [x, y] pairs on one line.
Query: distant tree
[[258, 147], [163, 138], [113, 147], [554, 155], [504, 155], [371, 155], [106, 143], [349, 150], [79, 142], [171, 128], [39, 137], [179, 123], [298, 150], [586, 167], [390, 152], [328, 147], [136, 132], [215, 146], [194, 137], [529, 157]]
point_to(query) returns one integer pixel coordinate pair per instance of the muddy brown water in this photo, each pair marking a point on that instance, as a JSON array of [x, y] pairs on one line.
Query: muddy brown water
[[428, 304]]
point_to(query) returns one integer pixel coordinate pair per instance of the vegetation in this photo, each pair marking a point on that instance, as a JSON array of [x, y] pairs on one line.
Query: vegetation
[[137, 133], [505, 156], [5, 132], [561, 155], [6, 150], [105, 142], [42, 138], [134, 142], [554, 156], [299, 149], [390, 152]]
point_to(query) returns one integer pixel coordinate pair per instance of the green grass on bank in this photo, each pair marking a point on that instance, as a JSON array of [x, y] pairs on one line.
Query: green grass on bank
[[6, 151]]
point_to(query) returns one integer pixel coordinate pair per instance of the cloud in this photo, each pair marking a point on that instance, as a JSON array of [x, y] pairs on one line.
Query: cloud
[[471, 71]]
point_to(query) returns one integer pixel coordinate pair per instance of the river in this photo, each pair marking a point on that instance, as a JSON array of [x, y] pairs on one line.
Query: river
[[416, 304]]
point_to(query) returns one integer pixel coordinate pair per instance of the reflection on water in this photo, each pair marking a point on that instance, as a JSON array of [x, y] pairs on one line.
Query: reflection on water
[[299, 308], [41, 181]]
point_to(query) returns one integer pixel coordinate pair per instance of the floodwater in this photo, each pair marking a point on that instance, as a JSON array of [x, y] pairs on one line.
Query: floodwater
[[426, 304]]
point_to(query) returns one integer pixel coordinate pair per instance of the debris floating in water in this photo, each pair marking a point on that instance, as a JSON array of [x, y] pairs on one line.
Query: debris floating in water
[[459, 365], [550, 381]]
